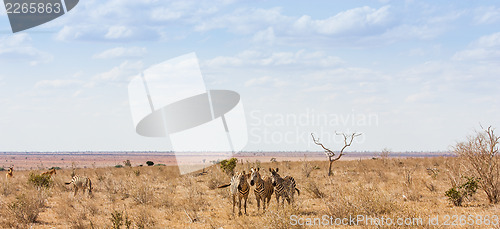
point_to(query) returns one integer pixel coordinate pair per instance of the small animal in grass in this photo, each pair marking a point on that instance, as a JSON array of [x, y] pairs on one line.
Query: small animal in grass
[[80, 182], [10, 173], [50, 172]]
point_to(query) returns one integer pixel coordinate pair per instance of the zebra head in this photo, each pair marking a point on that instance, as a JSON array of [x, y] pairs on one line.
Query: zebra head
[[255, 176], [274, 174], [243, 179]]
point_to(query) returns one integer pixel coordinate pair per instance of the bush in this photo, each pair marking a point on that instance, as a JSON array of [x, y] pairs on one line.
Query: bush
[[482, 156], [228, 166], [40, 180], [116, 219], [150, 163], [56, 168], [457, 194], [127, 163], [118, 166], [26, 208]]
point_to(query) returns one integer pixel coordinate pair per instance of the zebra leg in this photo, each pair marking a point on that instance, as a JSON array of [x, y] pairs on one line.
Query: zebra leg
[[258, 203], [239, 205], [234, 202], [76, 190], [246, 198]]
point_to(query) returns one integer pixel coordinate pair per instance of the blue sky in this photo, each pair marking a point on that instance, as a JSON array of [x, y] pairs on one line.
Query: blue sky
[[413, 75]]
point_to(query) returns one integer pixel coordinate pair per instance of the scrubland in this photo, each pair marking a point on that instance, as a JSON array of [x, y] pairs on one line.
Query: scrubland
[[158, 197]]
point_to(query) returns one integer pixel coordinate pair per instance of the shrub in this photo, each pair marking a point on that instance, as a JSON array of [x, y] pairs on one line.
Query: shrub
[[228, 166], [40, 180], [482, 156], [26, 208], [144, 219], [313, 188], [56, 168], [116, 219], [457, 194], [150, 163], [118, 166], [127, 163], [306, 168], [143, 194]]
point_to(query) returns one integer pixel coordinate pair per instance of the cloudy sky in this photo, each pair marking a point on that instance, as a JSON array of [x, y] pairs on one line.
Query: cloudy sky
[[409, 75]]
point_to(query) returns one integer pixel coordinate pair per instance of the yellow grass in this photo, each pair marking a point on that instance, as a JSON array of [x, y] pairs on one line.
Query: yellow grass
[[157, 197]]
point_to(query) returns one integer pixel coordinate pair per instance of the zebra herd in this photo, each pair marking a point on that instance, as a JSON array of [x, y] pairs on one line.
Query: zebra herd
[[283, 188]]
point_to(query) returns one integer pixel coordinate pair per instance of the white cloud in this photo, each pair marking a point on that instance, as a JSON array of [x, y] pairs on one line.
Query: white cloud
[[354, 21], [165, 14], [265, 36], [265, 22], [122, 72], [487, 15], [489, 41], [70, 33], [120, 52], [133, 19], [2, 10], [265, 81], [319, 88], [244, 21], [19, 47], [115, 32], [424, 96], [59, 83], [486, 48], [299, 58]]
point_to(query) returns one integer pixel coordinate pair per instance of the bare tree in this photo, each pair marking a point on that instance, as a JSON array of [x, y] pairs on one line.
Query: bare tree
[[348, 138], [482, 157]]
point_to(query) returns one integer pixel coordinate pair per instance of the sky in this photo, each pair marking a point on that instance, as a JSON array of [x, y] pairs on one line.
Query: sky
[[408, 75]]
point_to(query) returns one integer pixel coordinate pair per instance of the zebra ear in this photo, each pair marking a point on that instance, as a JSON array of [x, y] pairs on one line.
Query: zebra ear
[[277, 169], [258, 169], [270, 170]]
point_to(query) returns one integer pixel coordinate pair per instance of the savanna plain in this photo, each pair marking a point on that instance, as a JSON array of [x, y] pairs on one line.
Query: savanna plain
[[159, 197]]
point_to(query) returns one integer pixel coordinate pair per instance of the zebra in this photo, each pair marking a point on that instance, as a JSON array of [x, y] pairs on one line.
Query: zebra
[[81, 182], [284, 187], [50, 172], [9, 173], [239, 187], [263, 188]]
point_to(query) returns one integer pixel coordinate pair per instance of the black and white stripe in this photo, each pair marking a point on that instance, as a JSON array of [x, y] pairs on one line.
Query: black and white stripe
[[263, 188], [239, 187], [284, 187], [81, 182]]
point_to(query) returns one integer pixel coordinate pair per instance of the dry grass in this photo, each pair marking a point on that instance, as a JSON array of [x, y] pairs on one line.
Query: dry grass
[[157, 197]]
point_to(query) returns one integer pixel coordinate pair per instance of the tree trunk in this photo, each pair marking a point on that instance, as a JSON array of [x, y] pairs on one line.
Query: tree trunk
[[330, 167]]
